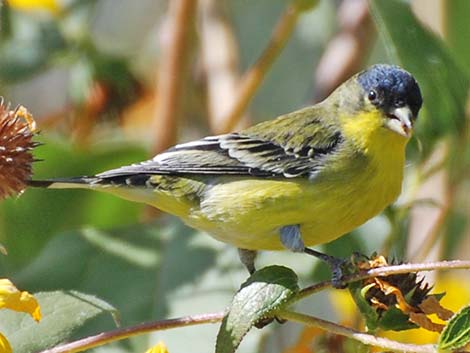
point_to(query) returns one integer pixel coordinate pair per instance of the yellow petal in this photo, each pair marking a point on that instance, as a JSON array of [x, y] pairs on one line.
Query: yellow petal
[[12, 298], [22, 5], [4, 345], [160, 347]]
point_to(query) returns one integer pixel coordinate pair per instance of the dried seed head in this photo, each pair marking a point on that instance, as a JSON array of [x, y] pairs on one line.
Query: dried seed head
[[395, 302], [17, 128]]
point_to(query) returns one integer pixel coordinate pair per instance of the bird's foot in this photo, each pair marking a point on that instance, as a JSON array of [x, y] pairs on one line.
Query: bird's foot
[[265, 322], [336, 265], [247, 257]]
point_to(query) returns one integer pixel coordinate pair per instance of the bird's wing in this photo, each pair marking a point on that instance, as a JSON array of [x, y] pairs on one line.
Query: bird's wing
[[251, 152]]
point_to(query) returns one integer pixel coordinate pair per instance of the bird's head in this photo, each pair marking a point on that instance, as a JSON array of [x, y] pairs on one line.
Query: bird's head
[[394, 92]]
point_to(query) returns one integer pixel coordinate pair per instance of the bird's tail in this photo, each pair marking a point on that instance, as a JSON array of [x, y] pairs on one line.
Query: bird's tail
[[66, 183], [129, 188]]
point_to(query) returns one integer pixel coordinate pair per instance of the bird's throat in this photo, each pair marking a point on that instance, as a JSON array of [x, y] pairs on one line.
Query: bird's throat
[[370, 137]]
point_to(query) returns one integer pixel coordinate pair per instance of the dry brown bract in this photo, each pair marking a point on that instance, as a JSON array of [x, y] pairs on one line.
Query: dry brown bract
[[404, 292], [17, 128]]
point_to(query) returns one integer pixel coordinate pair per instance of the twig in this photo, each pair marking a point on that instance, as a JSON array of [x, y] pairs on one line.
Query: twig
[[119, 334], [220, 57], [356, 335], [426, 224], [347, 51], [171, 72], [386, 271], [253, 78]]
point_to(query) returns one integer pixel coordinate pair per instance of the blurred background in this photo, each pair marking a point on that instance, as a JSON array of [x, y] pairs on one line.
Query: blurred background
[[111, 82]]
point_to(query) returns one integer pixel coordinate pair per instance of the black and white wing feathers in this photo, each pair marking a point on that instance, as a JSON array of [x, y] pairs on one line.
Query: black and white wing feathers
[[280, 153]]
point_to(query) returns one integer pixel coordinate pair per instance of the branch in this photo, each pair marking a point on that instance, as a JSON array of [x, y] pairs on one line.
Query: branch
[[386, 271], [122, 333], [171, 72], [253, 78], [356, 335], [220, 57], [348, 50]]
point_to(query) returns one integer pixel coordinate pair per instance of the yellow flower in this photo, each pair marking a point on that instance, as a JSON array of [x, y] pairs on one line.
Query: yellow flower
[[4, 345], [31, 5], [12, 298], [160, 347]]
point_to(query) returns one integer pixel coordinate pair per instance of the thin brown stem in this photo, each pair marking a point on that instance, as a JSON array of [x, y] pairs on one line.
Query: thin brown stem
[[356, 335], [435, 233], [255, 75], [171, 72], [220, 58], [426, 224], [348, 50], [120, 334], [386, 271]]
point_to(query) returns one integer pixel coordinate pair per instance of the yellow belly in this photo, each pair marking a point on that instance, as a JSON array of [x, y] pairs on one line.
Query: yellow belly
[[249, 212]]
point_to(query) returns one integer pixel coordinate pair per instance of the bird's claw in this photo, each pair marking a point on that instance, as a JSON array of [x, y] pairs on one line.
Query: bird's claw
[[336, 266], [266, 321]]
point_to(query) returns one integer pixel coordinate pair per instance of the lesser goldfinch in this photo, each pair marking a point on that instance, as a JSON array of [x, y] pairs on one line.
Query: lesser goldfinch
[[300, 180]]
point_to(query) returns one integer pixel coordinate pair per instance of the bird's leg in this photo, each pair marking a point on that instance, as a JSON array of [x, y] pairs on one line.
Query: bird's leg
[[292, 240], [335, 264], [247, 257]]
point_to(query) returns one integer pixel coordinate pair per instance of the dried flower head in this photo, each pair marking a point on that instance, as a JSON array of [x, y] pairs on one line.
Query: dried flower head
[[396, 302], [17, 128]]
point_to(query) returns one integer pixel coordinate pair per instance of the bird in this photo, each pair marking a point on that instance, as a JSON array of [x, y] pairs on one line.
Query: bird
[[294, 182]]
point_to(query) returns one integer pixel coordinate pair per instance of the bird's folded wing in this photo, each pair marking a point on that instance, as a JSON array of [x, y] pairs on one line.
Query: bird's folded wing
[[244, 153]]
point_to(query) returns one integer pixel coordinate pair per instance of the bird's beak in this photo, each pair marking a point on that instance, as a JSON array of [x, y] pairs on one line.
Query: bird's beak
[[400, 120]]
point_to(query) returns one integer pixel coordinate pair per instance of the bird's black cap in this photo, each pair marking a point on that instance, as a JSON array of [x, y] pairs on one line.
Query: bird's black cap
[[393, 86]]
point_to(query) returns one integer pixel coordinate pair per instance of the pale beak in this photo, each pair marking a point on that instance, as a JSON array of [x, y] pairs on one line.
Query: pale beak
[[400, 120]]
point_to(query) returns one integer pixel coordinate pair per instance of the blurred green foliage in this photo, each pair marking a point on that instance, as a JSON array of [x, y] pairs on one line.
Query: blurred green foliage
[[62, 312], [30, 221], [445, 92]]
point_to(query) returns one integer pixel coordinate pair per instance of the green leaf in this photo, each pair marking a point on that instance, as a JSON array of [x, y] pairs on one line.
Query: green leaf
[[456, 334], [396, 320], [443, 81], [391, 319], [458, 30], [265, 292], [62, 313], [148, 272], [358, 293]]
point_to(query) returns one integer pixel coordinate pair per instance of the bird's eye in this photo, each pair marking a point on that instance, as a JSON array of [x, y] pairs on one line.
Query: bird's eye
[[372, 96]]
